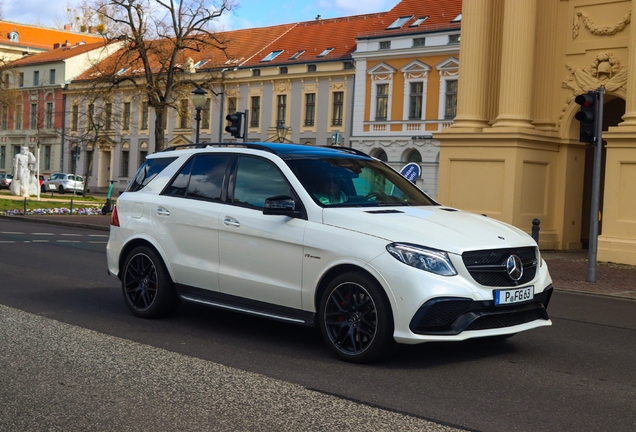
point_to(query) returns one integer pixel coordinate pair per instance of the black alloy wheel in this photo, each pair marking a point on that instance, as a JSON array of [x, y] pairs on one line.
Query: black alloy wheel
[[356, 319], [146, 284], [61, 189]]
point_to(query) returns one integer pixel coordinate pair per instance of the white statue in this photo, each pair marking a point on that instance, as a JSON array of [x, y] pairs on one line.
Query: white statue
[[24, 181]]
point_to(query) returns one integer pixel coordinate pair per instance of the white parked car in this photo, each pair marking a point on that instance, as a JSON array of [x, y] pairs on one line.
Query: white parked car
[[62, 183], [326, 237]]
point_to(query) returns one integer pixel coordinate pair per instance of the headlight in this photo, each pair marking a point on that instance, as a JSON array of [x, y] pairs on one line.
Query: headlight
[[431, 260]]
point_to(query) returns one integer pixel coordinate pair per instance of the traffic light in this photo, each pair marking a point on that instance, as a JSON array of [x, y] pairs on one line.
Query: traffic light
[[587, 116], [234, 128]]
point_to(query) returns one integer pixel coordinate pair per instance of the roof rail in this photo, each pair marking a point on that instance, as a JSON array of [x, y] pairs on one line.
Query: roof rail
[[347, 150], [233, 145]]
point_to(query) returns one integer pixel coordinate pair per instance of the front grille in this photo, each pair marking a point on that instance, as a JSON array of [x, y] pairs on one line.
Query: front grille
[[488, 267], [451, 315]]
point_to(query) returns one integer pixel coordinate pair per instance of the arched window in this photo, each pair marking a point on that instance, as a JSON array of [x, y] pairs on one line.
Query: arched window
[[380, 154], [414, 156]]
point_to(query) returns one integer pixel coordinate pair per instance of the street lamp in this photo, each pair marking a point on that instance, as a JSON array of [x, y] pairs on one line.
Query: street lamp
[[281, 130], [198, 100]]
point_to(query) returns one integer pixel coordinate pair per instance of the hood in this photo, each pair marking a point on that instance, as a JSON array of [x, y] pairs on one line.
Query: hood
[[436, 227]]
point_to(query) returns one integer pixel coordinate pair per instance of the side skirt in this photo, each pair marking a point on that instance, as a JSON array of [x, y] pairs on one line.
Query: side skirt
[[246, 306]]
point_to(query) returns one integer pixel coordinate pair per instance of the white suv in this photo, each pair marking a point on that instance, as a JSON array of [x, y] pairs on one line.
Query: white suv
[[326, 237]]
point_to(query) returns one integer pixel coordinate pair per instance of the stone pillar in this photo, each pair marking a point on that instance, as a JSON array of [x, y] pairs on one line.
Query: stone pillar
[[473, 84], [629, 119], [517, 61]]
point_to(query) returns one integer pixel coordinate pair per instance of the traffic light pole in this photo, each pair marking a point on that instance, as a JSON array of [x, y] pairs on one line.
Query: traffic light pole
[[596, 191]]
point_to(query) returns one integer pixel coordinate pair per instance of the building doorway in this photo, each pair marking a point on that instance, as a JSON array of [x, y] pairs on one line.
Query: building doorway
[[613, 111]]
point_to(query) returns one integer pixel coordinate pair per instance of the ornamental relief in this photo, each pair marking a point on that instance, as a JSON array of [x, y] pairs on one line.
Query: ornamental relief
[[282, 86], [596, 29], [605, 71]]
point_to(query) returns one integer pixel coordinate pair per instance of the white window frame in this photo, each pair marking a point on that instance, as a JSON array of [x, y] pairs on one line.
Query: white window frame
[[381, 73], [448, 71], [416, 71]]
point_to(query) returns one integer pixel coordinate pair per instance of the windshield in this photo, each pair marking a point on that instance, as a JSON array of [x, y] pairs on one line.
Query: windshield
[[356, 182]]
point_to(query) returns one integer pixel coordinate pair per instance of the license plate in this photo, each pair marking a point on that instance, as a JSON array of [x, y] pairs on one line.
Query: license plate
[[52, 186], [512, 296]]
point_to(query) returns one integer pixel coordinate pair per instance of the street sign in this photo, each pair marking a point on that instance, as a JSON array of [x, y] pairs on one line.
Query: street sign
[[411, 171]]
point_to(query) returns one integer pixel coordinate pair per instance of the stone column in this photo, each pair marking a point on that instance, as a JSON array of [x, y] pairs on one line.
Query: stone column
[[517, 60], [474, 58], [629, 119]]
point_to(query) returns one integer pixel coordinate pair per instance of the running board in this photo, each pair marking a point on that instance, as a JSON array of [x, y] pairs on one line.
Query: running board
[[250, 311]]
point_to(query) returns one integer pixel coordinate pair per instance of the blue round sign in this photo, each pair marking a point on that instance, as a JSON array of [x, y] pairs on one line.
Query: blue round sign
[[411, 171]]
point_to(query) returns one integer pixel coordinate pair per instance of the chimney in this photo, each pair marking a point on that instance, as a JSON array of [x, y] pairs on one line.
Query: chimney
[[92, 30], [67, 27]]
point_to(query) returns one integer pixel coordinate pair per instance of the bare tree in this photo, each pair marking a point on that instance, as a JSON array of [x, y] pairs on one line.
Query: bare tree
[[158, 36]]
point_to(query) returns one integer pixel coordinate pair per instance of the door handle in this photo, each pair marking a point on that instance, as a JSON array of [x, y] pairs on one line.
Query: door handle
[[162, 212], [229, 221]]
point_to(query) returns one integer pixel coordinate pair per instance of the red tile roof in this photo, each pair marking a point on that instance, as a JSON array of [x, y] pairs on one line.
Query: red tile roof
[[57, 55], [440, 15], [41, 38]]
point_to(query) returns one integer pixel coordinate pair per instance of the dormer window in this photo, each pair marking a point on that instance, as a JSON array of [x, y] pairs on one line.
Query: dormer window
[[200, 63], [419, 21], [271, 56], [399, 22], [14, 36], [458, 18], [325, 52], [298, 54]]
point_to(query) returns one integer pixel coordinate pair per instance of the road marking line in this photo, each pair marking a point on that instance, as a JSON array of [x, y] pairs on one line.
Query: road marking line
[[72, 235], [11, 232], [41, 234], [97, 235], [40, 241], [68, 241], [98, 242], [7, 241]]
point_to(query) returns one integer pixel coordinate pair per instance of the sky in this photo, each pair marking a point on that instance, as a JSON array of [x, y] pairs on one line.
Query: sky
[[249, 13]]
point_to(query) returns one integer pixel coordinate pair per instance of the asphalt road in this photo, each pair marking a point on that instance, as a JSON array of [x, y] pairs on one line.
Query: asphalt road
[[77, 359]]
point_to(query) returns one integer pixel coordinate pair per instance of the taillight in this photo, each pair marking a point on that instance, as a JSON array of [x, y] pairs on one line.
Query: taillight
[[114, 218]]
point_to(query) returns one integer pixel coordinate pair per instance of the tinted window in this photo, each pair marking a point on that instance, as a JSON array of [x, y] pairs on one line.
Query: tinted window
[[356, 182], [256, 180], [179, 185], [207, 177], [148, 171]]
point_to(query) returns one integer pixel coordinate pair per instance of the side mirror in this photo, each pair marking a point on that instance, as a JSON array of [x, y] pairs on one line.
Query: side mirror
[[280, 205]]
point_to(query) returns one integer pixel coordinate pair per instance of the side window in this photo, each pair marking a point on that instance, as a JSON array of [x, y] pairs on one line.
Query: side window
[[148, 171], [178, 186], [256, 180], [206, 181]]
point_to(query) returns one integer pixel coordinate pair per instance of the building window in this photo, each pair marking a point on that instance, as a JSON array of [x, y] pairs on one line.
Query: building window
[[399, 22], [414, 156], [325, 52], [256, 111], [454, 38], [3, 156], [336, 118], [347, 65], [231, 105], [123, 167], [415, 101], [5, 117], [108, 113], [310, 109], [36, 78], [298, 54], [47, 157], [48, 116], [419, 21], [184, 113], [382, 102], [144, 115], [451, 99], [311, 68], [205, 115], [14, 36], [271, 56], [281, 108], [33, 116], [256, 72], [142, 157], [74, 117], [283, 70], [52, 76], [125, 123], [419, 42], [18, 118], [385, 45], [21, 79], [91, 117]]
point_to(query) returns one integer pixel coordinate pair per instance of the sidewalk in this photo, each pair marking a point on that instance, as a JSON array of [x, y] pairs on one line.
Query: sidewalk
[[568, 269]]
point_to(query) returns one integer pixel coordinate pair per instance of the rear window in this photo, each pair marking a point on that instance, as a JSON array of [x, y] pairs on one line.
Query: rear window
[[148, 171]]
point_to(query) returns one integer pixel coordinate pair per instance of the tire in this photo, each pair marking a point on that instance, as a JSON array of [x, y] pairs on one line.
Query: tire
[[61, 189], [148, 290], [355, 319], [42, 189]]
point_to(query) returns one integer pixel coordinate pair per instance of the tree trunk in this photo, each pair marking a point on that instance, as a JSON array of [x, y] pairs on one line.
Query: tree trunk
[[160, 127]]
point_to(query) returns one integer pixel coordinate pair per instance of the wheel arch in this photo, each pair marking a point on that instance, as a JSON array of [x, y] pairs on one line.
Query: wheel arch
[[136, 242]]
